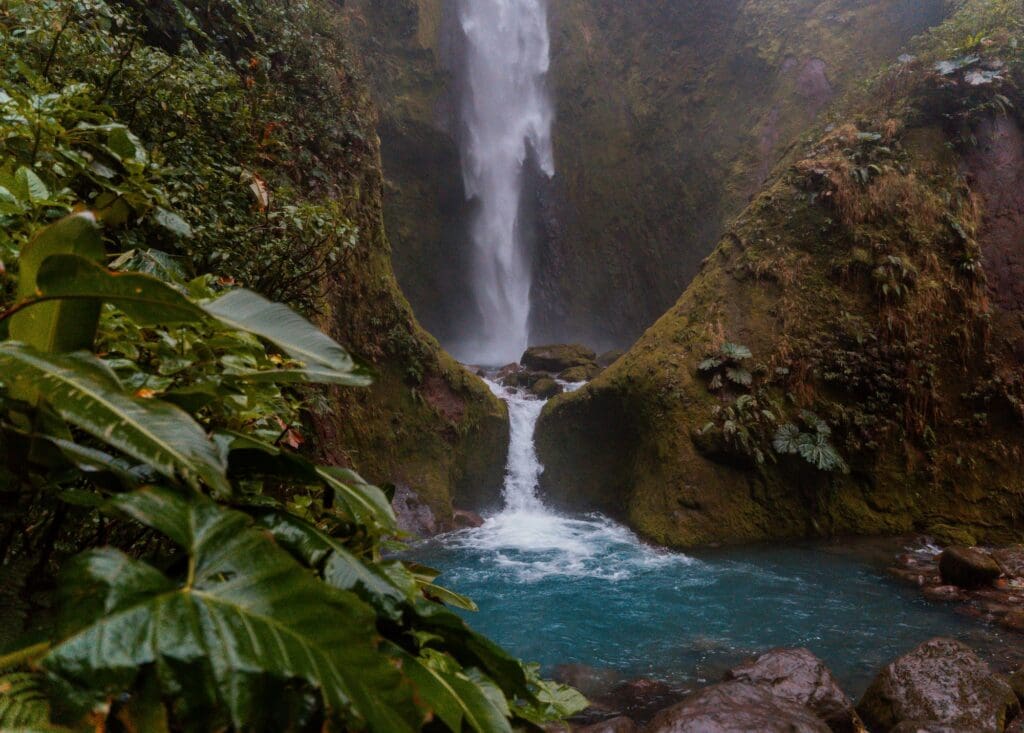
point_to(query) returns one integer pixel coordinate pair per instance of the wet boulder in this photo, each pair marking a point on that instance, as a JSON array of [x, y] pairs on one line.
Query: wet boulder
[[796, 675], [640, 698], [466, 519], [414, 517], [546, 388], [735, 707], [557, 358], [580, 373], [968, 568], [916, 726], [1011, 560], [620, 724], [940, 682]]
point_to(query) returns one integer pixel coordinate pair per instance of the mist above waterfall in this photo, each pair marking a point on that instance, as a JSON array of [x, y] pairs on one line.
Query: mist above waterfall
[[506, 119]]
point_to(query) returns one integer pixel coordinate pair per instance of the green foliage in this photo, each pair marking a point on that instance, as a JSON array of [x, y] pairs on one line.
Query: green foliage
[[812, 443], [262, 599], [212, 575], [725, 366]]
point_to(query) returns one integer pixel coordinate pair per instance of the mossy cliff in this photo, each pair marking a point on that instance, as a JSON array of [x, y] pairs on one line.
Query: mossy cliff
[[426, 423], [849, 358], [669, 115], [404, 45]]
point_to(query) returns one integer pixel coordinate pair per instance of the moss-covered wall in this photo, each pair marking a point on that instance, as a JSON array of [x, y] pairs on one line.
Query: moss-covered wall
[[869, 281], [426, 423], [669, 116]]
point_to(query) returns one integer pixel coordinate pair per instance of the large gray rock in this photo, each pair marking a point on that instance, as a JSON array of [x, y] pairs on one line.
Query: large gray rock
[[414, 517], [735, 707], [967, 568], [800, 677], [557, 358], [615, 725], [941, 682]]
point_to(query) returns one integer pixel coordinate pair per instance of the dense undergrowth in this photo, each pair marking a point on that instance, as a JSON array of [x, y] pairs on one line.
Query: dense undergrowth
[[171, 558]]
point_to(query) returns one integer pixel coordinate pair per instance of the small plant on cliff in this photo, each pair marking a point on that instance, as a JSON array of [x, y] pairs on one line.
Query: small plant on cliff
[[810, 439], [726, 365]]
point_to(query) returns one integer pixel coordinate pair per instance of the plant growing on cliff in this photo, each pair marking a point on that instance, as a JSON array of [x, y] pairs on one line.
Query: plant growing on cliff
[[726, 365], [811, 440]]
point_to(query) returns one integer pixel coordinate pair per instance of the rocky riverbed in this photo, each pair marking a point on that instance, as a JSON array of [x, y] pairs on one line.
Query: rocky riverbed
[[942, 686]]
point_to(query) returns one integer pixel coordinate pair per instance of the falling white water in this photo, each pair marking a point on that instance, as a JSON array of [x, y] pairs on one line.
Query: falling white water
[[506, 113], [534, 542]]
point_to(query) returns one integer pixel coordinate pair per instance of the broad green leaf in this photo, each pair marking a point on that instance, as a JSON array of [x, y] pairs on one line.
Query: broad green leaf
[[787, 440], [246, 311], [8, 203], [126, 146], [739, 376], [365, 503], [173, 223], [340, 568], [57, 326], [86, 394], [246, 609], [455, 698], [29, 187], [312, 375], [144, 299], [735, 352]]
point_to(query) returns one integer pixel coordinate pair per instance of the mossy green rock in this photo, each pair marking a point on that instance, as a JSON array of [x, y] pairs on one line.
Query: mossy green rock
[[558, 358], [847, 288], [546, 388], [580, 373]]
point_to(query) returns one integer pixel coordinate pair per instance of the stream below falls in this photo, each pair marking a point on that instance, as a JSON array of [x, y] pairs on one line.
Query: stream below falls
[[558, 589]]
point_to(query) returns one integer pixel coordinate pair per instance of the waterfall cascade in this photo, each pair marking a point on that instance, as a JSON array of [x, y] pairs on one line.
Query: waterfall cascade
[[506, 115]]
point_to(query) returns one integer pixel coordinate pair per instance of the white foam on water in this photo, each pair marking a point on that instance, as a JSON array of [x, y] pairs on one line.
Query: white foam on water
[[532, 541]]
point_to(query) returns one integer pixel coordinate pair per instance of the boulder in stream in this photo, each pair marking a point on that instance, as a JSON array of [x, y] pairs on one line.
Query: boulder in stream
[[414, 517], [968, 568], [557, 358], [796, 675], [736, 707], [546, 388], [940, 682]]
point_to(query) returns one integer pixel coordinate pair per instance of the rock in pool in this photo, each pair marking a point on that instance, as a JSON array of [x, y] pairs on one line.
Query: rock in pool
[[940, 682], [968, 568], [735, 707], [799, 677]]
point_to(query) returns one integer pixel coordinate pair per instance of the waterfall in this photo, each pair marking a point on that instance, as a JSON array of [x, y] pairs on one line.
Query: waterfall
[[506, 115]]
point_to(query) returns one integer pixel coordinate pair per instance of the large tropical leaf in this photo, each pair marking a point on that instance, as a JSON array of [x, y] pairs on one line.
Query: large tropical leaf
[[456, 697], [57, 326], [312, 375], [387, 592], [144, 299], [246, 610], [86, 394], [366, 504], [283, 327]]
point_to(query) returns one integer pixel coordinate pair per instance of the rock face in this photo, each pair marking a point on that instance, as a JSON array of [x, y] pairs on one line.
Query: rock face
[[967, 568], [558, 358], [940, 682], [669, 116], [799, 677], [779, 398], [735, 707]]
